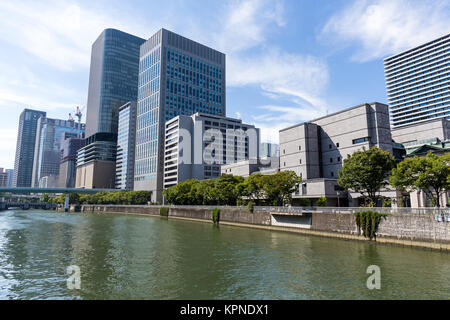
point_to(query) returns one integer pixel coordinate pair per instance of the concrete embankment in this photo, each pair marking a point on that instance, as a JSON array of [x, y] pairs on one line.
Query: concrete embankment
[[413, 230]]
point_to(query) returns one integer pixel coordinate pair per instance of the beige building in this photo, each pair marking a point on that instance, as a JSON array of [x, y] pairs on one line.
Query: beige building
[[96, 175]]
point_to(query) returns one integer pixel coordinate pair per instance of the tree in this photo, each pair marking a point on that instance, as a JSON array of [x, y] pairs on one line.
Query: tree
[[430, 174], [366, 171], [278, 187], [251, 188], [321, 202]]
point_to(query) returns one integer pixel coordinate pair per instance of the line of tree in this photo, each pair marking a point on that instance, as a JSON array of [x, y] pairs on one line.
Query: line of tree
[[258, 189], [369, 171], [106, 197]]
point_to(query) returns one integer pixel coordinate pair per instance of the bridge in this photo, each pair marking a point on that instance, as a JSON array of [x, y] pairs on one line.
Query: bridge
[[27, 190]]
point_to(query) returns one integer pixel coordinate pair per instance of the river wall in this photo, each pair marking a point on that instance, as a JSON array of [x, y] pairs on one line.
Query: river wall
[[417, 230]]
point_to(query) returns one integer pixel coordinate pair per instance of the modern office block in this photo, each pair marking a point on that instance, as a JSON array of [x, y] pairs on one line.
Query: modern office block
[[113, 79], [126, 141], [177, 76], [26, 140], [96, 167], [315, 150], [418, 83], [3, 178], [197, 146], [10, 173], [50, 136], [267, 149], [67, 167]]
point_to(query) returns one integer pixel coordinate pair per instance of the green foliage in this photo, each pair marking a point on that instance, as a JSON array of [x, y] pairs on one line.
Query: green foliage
[[164, 211], [250, 206], [106, 197], [227, 189], [368, 221], [321, 202], [215, 213], [430, 174], [45, 197], [366, 171], [303, 202]]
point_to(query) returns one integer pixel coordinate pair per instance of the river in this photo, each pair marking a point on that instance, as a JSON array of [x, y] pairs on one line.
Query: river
[[138, 257]]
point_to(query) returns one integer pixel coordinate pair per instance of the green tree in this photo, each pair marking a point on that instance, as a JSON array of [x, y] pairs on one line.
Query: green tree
[[430, 174], [366, 172], [251, 188], [321, 202], [278, 187]]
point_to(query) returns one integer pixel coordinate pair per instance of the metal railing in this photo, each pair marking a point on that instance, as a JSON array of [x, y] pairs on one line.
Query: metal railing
[[421, 211]]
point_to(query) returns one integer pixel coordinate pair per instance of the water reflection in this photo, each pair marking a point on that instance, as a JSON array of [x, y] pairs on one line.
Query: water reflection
[[135, 257]]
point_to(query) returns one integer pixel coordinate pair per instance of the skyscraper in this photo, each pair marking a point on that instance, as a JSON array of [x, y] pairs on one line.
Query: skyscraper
[[50, 135], [126, 141], [113, 81], [177, 76], [26, 139], [417, 82]]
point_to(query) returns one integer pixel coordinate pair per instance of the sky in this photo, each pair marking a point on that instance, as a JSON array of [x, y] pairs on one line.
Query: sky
[[288, 61]]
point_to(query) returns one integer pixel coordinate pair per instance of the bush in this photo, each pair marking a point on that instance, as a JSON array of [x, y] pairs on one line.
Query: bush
[[321, 202], [303, 202], [215, 213], [164, 211], [368, 221], [250, 206]]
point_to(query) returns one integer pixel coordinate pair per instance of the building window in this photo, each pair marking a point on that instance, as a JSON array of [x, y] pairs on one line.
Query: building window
[[299, 148], [284, 164], [300, 161], [284, 151], [332, 173], [339, 159], [331, 160], [337, 145], [355, 141], [329, 146]]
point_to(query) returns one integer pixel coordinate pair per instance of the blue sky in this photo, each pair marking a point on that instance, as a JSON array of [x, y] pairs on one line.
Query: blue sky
[[288, 61]]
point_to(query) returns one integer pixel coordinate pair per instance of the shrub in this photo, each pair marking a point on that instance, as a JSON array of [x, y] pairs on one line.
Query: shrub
[[368, 221], [164, 211], [321, 202], [303, 202], [215, 213], [250, 206]]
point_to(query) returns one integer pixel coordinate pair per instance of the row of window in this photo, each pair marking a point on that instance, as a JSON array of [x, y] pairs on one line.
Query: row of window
[[198, 65]]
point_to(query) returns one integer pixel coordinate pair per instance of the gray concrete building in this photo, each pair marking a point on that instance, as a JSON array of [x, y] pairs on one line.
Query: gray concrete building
[[267, 149], [245, 168], [197, 146], [177, 76], [67, 167], [126, 141], [3, 178], [414, 133], [26, 140], [418, 83], [315, 149]]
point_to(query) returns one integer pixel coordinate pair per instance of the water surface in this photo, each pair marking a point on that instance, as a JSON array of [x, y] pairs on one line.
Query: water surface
[[138, 257]]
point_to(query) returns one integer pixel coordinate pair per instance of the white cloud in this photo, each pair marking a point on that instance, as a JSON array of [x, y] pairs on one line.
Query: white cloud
[[385, 27]]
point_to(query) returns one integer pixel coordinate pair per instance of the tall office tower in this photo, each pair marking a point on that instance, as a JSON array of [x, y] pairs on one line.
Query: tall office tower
[[67, 167], [126, 141], [267, 149], [113, 81], [3, 178], [10, 173], [177, 76], [197, 146], [50, 135], [26, 139], [418, 83]]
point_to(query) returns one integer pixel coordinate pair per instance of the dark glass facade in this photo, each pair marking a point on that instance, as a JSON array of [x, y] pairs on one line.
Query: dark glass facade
[[113, 79], [26, 139]]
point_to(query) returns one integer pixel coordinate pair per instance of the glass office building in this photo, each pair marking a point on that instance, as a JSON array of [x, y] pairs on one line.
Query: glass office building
[[418, 83], [113, 79], [49, 141], [126, 139], [26, 139], [177, 76]]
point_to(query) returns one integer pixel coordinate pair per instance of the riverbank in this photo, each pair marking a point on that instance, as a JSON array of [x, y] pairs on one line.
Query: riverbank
[[409, 230]]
